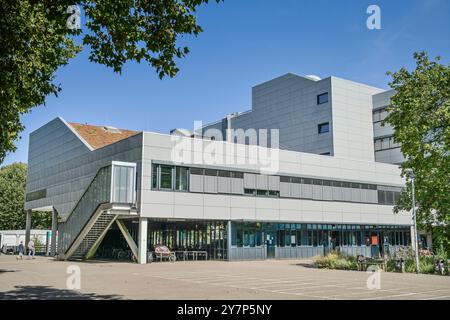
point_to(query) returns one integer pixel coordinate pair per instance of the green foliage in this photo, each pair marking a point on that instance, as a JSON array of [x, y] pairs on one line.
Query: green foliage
[[335, 260], [420, 116], [35, 41], [12, 200]]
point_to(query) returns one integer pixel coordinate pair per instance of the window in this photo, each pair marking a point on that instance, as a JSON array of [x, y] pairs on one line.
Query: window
[[181, 179], [274, 194], [285, 179], [197, 171], [225, 174], [210, 172], [323, 127], [261, 193], [250, 192], [322, 98], [317, 182], [166, 177], [296, 180], [154, 176], [238, 175]]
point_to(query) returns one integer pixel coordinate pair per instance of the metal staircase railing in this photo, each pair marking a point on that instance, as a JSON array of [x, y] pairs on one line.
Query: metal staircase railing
[[93, 214]]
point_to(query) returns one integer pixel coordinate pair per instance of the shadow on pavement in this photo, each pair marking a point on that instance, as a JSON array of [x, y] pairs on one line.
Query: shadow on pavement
[[50, 293], [4, 271]]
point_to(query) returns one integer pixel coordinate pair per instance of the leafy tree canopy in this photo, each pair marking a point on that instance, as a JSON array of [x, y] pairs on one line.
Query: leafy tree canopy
[[12, 200], [35, 41], [420, 116]]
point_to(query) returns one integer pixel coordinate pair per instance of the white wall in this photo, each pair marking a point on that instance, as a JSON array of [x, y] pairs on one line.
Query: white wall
[[182, 205]]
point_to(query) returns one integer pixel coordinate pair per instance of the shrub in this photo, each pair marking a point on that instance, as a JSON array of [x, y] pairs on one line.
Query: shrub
[[335, 260]]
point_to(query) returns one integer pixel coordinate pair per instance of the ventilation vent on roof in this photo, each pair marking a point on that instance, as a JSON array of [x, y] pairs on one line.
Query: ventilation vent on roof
[[111, 129]]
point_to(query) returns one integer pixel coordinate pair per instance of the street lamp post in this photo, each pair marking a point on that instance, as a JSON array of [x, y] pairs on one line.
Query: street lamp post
[[411, 174]]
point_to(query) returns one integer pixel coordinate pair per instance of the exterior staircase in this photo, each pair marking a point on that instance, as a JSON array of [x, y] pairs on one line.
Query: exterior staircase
[[98, 208]]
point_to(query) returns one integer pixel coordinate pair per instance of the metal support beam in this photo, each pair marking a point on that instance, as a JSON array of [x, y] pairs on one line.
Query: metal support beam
[[27, 229], [142, 243], [54, 231], [128, 238]]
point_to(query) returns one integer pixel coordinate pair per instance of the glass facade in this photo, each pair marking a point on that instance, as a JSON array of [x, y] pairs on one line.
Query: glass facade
[[209, 236], [253, 234]]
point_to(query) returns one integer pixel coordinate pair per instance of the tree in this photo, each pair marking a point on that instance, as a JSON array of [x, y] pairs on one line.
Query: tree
[[36, 40], [12, 200], [420, 116]]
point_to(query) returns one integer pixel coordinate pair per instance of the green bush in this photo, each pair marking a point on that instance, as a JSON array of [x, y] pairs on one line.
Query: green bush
[[335, 260]]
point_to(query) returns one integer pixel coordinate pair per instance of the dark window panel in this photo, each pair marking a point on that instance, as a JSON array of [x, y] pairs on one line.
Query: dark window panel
[[210, 172], [197, 171], [225, 174], [296, 180]]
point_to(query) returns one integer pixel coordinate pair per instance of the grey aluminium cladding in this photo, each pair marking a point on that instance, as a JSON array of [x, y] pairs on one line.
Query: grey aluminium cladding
[[214, 181]]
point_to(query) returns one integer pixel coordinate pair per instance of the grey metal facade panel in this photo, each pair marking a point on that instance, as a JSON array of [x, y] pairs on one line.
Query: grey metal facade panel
[[210, 184], [274, 183], [337, 193], [317, 192], [61, 163], [295, 190], [195, 183], [346, 194], [262, 182], [307, 191], [224, 185], [237, 186], [356, 195], [327, 193], [249, 181], [247, 253], [373, 196], [285, 189]]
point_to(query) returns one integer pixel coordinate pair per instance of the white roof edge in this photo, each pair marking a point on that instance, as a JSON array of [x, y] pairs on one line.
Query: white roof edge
[[76, 133]]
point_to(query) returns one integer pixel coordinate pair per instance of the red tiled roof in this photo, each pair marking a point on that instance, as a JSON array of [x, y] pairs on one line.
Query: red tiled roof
[[100, 136]]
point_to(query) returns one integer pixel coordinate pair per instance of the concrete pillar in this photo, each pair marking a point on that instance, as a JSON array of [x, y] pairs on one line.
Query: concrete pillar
[[142, 241], [27, 229], [54, 231]]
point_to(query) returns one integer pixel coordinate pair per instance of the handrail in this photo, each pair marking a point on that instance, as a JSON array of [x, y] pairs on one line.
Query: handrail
[[98, 192]]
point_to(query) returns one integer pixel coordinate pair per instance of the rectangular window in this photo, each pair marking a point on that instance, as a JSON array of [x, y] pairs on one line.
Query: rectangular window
[[154, 176], [225, 174], [181, 179], [197, 171], [322, 98], [261, 193], [306, 181], [323, 128], [317, 182], [238, 175], [166, 177], [250, 192], [285, 179], [210, 172], [381, 197], [296, 180], [274, 194]]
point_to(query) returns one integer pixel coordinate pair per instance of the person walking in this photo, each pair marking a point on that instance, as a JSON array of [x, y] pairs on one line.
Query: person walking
[[31, 249], [21, 250]]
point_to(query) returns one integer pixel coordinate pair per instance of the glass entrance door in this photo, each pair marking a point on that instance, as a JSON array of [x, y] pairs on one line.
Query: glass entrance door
[[270, 244]]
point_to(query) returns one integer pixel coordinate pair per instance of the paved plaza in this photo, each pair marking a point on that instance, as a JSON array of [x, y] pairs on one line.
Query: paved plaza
[[44, 278]]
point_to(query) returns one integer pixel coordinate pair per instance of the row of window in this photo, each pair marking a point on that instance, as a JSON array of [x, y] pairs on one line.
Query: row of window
[[249, 234], [320, 182], [166, 177], [385, 143]]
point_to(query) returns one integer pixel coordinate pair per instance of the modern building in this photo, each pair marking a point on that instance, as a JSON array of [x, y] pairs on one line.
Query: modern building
[[113, 191]]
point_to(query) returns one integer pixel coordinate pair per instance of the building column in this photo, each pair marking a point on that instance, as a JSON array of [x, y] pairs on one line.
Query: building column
[[54, 231], [142, 241], [27, 229]]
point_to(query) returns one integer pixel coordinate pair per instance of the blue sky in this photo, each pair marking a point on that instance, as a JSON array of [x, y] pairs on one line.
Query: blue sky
[[244, 43]]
